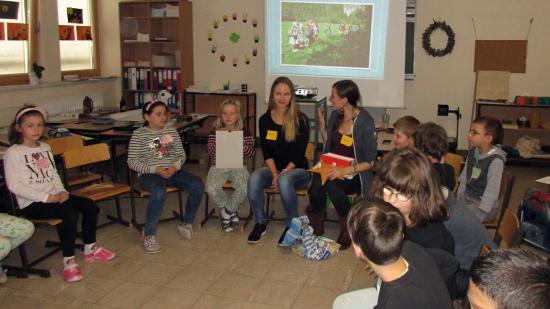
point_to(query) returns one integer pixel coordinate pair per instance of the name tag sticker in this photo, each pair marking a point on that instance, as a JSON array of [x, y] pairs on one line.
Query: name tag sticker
[[346, 140], [476, 172], [271, 135]]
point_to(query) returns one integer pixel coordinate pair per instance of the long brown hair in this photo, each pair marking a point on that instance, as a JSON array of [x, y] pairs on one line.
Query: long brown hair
[[346, 89], [410, 172], [291, 121]]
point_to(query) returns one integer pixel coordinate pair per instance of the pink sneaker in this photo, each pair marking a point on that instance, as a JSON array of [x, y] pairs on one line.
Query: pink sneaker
[[72, 273], [100, 254]]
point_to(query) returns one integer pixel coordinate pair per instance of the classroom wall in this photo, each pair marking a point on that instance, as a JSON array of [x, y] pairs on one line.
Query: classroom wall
[[447, 80], [450, 80]]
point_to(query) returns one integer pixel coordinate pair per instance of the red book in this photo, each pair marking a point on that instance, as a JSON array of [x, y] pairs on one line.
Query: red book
[[336, 160]]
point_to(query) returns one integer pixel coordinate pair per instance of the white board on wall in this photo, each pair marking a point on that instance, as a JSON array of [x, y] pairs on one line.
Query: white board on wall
[[385, 91]]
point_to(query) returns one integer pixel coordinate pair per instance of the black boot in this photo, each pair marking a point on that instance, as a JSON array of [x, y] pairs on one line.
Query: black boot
[[343, 239], [316, 221]]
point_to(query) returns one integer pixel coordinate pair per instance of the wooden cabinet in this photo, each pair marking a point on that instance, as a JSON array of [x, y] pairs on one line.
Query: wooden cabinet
[[156, 39], [512, 112]]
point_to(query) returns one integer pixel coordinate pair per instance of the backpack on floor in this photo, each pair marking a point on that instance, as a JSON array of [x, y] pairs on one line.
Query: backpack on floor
[[534, 214]]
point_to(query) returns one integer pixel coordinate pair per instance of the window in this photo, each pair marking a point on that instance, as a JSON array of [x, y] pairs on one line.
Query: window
[[14, 41], [78, 37]]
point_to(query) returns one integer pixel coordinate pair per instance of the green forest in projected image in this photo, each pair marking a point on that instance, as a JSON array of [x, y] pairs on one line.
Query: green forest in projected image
[[326, 34]]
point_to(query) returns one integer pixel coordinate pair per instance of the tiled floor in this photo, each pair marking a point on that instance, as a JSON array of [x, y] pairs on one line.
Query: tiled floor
[[214, 270]]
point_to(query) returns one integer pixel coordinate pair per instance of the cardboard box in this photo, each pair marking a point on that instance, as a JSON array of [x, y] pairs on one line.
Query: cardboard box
[[336, 160]]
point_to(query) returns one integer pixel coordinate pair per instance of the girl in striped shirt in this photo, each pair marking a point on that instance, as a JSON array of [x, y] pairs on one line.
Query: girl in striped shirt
[[156, 153], [229, 118]]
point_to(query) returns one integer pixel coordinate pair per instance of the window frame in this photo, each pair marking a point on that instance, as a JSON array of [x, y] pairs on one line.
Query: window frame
[[96, 71], [23, 78]]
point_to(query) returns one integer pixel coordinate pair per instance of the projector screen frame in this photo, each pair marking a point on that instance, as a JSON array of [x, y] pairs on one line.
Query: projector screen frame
[[377, 51]]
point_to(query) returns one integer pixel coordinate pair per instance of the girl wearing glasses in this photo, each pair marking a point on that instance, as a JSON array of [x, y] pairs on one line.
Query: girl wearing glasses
[[407, 180]]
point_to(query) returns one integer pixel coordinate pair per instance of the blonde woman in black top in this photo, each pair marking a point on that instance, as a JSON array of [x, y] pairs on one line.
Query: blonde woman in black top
[[284, 134]]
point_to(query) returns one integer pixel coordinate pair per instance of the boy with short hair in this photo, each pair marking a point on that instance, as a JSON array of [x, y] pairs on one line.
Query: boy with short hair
[[403, 130], [480, 179], [510, 279], [410, 278], [431, 139]]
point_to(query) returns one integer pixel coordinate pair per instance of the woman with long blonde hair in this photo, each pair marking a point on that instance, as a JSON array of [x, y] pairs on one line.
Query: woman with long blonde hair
[[284, 134]]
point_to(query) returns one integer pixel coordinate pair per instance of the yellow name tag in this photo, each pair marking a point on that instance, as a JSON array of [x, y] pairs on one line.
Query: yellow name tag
[[475, 173], [271, 135], [346, 140]]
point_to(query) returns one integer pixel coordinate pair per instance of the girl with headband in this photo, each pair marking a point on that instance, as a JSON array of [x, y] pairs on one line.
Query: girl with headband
[[156, 154], [31, 175]]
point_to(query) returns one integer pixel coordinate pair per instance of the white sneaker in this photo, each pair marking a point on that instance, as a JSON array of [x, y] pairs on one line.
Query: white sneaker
[[150, 244], [185, 230]]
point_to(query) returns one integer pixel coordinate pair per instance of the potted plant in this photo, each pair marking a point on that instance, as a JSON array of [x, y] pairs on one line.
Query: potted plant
[[36, 74]]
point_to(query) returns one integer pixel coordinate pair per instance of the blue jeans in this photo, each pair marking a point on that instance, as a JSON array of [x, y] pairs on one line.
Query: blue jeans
[[291, 180], [156, 185]]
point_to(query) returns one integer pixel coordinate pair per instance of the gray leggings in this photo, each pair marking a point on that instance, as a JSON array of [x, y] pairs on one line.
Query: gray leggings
[[13, 232], [217, 177]]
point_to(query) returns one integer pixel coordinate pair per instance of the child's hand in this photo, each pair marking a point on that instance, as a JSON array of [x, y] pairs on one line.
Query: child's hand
[[52, 198], [170, 171], [159, 170], [62, 196], [275, 181]]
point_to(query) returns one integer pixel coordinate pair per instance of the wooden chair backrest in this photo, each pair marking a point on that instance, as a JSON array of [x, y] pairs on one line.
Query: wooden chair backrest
[[86, 155], [60, 145], [310, 152], [506, 185], [509, 229], [455, 161]]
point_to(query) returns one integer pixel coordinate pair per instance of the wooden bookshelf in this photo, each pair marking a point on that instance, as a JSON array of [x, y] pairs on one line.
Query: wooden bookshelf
[[156, 39]]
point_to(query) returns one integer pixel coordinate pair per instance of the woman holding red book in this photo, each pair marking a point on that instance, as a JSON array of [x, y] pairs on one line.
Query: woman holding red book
[[350, 133]]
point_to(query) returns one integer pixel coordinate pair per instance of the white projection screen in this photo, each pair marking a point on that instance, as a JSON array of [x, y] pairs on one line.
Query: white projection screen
[[318, 42]]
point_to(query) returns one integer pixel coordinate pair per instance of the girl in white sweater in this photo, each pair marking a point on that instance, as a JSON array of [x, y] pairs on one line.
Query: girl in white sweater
[[31, 175]]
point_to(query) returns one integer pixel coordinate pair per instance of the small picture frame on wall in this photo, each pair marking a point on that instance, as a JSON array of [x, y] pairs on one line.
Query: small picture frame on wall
[[9, 9], [74, 15], [18, 32], [66, 33], [84, 33]]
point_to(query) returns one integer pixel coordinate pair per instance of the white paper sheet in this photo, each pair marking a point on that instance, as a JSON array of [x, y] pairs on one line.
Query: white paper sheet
[[229, 149]]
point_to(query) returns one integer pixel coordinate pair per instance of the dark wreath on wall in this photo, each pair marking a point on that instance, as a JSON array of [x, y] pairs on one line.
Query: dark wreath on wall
[[427, 43]]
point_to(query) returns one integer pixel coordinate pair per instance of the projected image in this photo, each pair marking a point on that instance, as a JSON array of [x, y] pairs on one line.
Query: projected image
[[319, 34]]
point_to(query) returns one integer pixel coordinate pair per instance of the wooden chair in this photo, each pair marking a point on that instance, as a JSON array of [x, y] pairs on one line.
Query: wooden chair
[[73, 177], [508, 232], [503, 200], [142, 193], [456, 162], [100, 190], [28, 267], [271, 192]]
